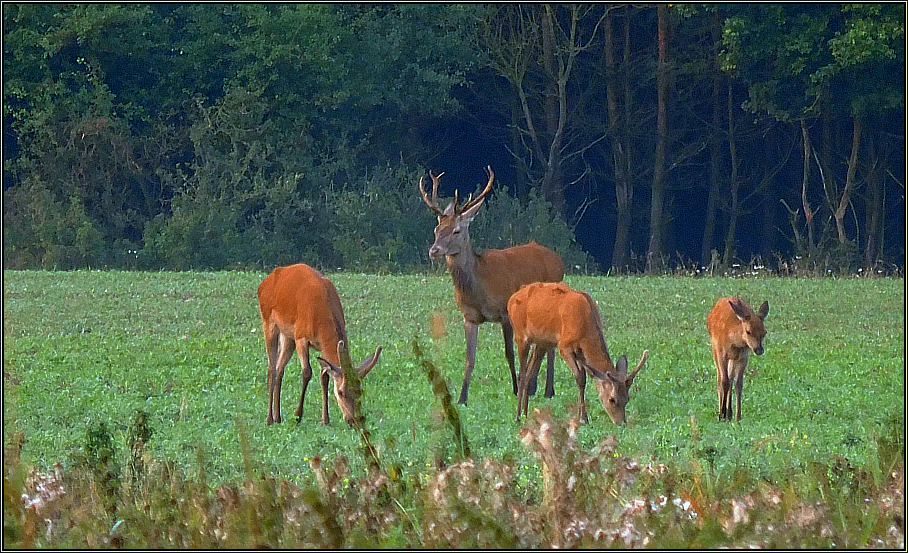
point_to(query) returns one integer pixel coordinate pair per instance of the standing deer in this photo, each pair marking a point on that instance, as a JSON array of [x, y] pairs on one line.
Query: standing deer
[[300, 310], [546, 315], [483, 282], [734, 330]]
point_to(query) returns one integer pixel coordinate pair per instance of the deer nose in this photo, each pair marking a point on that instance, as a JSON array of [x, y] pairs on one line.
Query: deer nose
[[434, 252], [758, 350]]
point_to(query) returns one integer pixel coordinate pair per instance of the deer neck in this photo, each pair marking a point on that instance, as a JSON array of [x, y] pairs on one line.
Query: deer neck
[[464, 268]]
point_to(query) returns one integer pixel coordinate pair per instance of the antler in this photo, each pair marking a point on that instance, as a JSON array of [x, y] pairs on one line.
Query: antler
[[639, 365], [433, 203], [472, 202]]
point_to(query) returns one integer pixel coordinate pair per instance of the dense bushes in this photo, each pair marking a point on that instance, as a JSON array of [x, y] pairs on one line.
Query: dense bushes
[[374, 224], [41, 231]]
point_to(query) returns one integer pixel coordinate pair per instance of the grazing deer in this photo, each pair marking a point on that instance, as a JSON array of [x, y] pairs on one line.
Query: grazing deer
[[483, 282], [300, 310], [546, 315], [734, 330]]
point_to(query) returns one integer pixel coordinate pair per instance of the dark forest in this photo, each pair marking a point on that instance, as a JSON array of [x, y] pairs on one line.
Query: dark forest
[[630, 138]]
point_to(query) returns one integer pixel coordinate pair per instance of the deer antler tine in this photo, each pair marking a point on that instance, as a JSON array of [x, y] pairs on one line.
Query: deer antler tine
[[471, 202], [640, 364], [436, 180], [433, 203]]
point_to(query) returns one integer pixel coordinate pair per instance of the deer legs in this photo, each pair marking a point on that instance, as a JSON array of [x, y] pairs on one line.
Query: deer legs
[[471, 330], [550, 374], [307, 376], [508, 332], [529, 373], [730, 372], [279, 351]]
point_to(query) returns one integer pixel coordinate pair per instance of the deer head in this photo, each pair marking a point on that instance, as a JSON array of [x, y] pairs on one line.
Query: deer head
[[614, 387], [346, 394], [752, 324], [452, 235]]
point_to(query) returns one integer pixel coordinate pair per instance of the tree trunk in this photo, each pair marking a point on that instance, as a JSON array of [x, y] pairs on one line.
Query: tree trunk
[[715, 156], [770, 194], [849, 182], [616, 127], [654, 252], [874, 208], [734, 182], [805, 178], [552, 181], [626, 119]]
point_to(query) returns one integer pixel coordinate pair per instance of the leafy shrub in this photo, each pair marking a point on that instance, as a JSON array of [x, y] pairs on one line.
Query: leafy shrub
[[381, 224], [198, 235], [280, 224], [508, 221], [41, 230]]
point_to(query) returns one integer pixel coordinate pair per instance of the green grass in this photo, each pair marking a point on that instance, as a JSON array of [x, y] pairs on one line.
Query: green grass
[[86, 347]]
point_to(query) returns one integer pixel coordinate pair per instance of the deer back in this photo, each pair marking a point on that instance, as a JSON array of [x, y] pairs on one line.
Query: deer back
[[303, 304], [496, 275], [553, 314]]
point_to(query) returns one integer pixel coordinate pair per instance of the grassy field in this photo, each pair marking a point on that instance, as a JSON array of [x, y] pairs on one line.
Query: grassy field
[[85, 348]]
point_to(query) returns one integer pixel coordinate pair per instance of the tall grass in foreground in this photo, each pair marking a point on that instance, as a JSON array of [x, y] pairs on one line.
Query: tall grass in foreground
[[589, 498]]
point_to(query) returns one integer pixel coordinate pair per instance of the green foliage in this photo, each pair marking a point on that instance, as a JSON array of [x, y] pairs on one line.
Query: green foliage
[[380, 224], [507, 221], [372, 223], [201, 234], [448, 412], [799, 62], [41, 230], [142, 114], [99, 457]]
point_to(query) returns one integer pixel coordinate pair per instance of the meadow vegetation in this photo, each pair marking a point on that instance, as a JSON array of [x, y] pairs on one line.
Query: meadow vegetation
[[135, 404]]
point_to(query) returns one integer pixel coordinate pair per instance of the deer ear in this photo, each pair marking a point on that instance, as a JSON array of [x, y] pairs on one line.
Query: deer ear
[[368, 363], [616, 380], [764, 310], [621, 366], [738, 309], [596, 373], [330, 368]]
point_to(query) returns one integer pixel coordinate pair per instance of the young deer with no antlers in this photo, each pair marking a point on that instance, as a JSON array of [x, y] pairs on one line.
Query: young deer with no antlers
[[734, 331], [546, 315], [300, 310], [483, 282]]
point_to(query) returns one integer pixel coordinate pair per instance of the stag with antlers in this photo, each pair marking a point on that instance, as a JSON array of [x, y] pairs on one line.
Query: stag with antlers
[[483, 282]]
